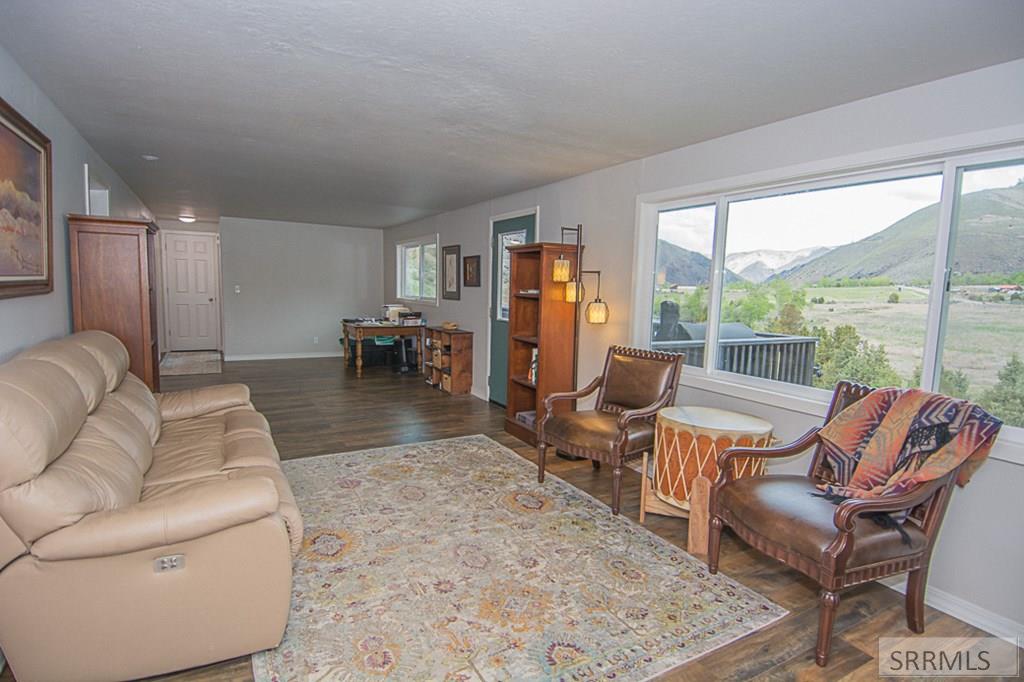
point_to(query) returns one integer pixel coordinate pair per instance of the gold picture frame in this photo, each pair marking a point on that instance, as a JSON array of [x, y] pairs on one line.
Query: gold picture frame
[[26, 207]]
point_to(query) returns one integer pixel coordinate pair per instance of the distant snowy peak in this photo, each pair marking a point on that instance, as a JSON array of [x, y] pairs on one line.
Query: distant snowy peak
[[757, 266]]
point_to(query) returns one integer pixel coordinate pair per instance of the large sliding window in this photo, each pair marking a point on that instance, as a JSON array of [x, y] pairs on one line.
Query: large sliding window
[[416, 267], [682, 276], [829, 284], [796, 287], [981, 354]]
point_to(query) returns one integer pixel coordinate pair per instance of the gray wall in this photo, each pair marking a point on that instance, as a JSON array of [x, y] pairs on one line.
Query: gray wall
[[28, 320], [979, 558], [297, 281]]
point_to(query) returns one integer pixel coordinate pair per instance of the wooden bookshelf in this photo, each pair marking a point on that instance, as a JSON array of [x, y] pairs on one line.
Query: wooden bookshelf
[[541, 320], [448, 362]]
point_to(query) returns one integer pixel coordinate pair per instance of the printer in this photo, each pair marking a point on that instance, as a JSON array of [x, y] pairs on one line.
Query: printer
[[392, 312]]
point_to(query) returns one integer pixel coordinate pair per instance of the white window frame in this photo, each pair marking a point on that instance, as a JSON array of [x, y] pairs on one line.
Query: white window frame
[[400, 247], [945, 158]]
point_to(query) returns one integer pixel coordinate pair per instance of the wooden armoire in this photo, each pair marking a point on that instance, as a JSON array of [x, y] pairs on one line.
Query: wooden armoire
[[113, 285]]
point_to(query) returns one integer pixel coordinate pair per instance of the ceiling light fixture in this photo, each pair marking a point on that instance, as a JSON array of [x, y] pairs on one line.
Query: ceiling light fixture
[[150, 157], [187, 218]]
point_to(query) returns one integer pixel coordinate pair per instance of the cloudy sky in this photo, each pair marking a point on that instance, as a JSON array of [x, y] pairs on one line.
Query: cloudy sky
[[831, 217]]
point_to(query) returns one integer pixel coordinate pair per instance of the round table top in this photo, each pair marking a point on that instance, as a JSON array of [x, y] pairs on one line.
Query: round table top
[[714, 419]]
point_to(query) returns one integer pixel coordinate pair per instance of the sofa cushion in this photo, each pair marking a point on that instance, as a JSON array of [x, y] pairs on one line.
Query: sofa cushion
[[93, 474], [113, 421], [198, 402], [41, 410], [108, 351], [76, 361], [188, 449], [136, 396]]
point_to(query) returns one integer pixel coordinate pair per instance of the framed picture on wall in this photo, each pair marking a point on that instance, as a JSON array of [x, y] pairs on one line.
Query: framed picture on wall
[[471, 271], [26, 207], [451, 288]]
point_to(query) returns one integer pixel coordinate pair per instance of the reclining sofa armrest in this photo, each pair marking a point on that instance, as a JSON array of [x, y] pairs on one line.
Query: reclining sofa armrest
[[195, 402], [194, 512]]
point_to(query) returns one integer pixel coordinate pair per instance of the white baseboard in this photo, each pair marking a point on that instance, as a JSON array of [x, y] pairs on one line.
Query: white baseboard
[[968, 612], [283, 356]]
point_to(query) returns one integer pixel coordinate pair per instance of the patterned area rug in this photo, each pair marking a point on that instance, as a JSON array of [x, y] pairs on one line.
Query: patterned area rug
[[176, 363], [448, 561]]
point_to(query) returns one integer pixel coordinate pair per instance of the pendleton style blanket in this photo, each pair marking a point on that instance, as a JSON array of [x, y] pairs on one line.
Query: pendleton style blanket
[[895, 439]]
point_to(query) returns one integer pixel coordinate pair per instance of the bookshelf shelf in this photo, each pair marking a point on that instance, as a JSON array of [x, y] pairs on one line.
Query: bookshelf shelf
[[523, 381], [525, 339], [541, 326]]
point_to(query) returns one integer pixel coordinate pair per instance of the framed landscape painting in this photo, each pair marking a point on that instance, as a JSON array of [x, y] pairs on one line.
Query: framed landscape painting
[[26, 207], [451, 286]]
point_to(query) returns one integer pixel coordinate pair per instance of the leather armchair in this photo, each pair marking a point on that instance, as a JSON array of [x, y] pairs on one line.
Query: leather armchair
[[834, 545], [635, 384]]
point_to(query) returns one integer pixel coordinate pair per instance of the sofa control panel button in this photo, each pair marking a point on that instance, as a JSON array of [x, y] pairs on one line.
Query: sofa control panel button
[[171, 562]]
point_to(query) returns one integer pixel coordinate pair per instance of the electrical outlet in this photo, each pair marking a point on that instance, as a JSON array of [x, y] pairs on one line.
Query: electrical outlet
[[238, 289], [316, 340]]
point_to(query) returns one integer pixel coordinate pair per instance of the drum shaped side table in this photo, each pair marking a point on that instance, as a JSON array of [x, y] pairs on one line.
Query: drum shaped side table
[[688, 441]]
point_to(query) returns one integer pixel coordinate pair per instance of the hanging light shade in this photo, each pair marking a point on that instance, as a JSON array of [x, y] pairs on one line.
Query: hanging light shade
[[574, 291], [562, 271], [597, 312]]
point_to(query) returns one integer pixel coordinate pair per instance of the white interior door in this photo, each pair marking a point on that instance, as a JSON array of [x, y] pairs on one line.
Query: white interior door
[[192, 290]]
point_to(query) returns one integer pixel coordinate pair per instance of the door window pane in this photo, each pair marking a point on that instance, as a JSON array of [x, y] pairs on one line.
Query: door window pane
[[682, 276], [830, 284], [506, 239], [982, 357]]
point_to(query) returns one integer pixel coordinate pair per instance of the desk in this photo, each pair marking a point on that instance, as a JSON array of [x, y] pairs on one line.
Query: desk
[[361, 330]]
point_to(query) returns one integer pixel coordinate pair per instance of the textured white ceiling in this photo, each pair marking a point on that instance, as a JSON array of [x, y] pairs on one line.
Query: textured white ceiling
[[376, 113]]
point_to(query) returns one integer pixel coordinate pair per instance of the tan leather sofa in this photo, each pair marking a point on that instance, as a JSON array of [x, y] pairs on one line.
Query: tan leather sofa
[[139, 533]]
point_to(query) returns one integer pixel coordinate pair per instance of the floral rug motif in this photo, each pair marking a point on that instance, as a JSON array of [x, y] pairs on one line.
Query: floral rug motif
[[448, 561]]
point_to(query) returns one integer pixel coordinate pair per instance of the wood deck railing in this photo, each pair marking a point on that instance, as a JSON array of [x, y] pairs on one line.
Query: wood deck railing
[[778, 357]]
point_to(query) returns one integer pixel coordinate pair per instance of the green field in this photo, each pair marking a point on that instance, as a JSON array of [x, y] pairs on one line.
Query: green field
[[979, 340]]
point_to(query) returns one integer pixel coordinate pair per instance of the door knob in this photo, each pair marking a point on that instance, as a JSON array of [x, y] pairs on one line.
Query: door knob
[[211, 300]]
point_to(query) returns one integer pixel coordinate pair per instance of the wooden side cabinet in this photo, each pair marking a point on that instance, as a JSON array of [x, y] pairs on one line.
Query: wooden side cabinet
[[448, 362], [113, 286]]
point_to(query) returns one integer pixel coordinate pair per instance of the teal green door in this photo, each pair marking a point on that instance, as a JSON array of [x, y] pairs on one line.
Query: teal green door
[[520, 230]]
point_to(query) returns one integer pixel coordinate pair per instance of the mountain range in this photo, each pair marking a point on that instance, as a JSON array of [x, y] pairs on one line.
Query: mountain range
[[757, 266], [903, 252]]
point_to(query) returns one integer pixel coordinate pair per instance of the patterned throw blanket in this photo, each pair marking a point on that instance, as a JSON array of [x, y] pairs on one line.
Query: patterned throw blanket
[[895, 439]]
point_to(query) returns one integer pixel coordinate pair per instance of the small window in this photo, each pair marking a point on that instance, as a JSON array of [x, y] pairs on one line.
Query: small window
[[417, 269]]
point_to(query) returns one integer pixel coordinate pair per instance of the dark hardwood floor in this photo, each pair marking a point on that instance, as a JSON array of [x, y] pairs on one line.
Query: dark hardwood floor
[[316, 407]]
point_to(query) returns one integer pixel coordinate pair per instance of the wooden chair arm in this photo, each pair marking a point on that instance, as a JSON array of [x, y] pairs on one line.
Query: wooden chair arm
[[551, 398], [795, 448], [848, 510]]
